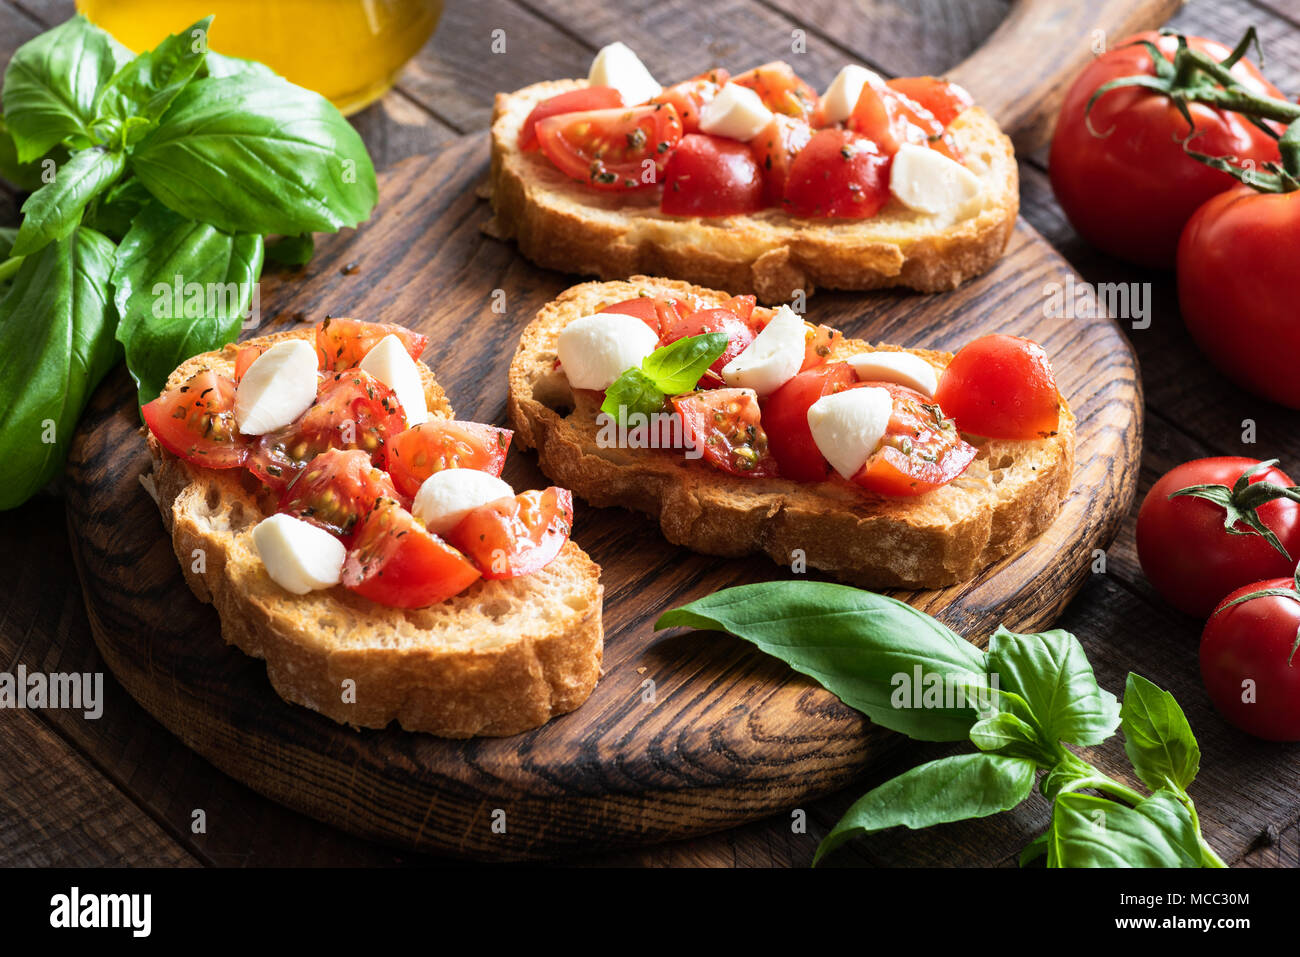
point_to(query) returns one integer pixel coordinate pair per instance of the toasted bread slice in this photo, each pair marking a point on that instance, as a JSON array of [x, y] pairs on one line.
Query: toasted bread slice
[[1009, 494], [565, 225], [500, 658]]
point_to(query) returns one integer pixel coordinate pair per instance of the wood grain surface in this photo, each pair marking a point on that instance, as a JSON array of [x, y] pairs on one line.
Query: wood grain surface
[[128, 768]]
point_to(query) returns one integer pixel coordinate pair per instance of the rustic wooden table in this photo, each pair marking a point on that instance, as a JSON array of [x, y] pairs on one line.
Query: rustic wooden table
[[122, 790]]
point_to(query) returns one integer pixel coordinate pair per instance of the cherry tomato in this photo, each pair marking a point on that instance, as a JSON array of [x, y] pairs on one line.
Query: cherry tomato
[[396, 561], [1187, 553], [945, 101], [1001, 387], [921, 449], [837, 174], [412, 456], [711, 176], [336, 490], [353, 410], [780, 89], [785, 416], [612, 149], [342, 343], [822, 341], [1130, 191], [655, 313], [1236, 287], [516, 536], [690, 96], [574, 101], [774, 150], [1249, 661], [739, 336], [889, 119], [742, 307], [196, 421], [724, 426]]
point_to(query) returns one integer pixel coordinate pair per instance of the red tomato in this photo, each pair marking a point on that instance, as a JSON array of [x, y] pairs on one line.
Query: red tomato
[[1188, 555], [890, 119], [742, 307], [1249, 662], [575, 101], [1001, 387], [396, 561], [655, 313], [821, 343], [1236, 287], [412, 456], [196, 421], [516, 536], [352, 410], [780, 89], [837, 174], [690, 96], [711, 176], [245, 356], [724, 426], [774, 150], [336, 490], [342, 343], [945, 101], [610, 149], [1130, 191], [785, 417], [920, 452], [739, 336]]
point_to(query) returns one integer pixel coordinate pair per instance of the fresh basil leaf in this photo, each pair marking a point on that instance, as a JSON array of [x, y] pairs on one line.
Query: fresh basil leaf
[[291, 250], [950, 789], [113, 213], [1051, 672], [632, 392], [219, 65], [26, 176], [1157, 737], [257, 154], [52, 83], [7, 236], [1007, 734], [147, 85], [182, 288], [678, 366], [1090, 831], [54, 210], [898, 666], [56, 344], [1034, 850]]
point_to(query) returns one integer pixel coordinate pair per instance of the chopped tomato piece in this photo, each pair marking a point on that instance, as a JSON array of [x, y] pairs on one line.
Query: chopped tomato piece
[[822, 341], [711, 176], [516, 536], [739, 336], [690, 96], [342, 343], [890, 119], [774, 150], [742, 307], [723, 425], [655, 313], [612, 149], [336, 490], [1001, 387], [197, 422], [785, 415], [575, 101], [412, 456], [945, 101], [921, 450], [780, 89], [396, 561], [245, 356], [837, 174]]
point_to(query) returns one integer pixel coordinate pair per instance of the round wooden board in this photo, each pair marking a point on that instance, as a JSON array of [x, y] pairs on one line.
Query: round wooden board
[[728, 734]]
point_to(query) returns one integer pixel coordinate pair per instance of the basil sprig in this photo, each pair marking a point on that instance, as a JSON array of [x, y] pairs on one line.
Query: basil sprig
[[669, 370], [159, 172], [1020, 703]]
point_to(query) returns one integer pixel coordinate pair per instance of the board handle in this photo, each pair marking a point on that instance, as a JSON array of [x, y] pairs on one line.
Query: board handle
[[1021, 72]]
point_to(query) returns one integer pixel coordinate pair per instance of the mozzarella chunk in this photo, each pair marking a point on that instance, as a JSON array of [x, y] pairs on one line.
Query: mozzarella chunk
[[929, 182], [736, 112], [448, 496], [773, 358], [903, 368], [278, 387], [390, 363], [617, 66], [848, 426], [298, 556], [595, 350], [841, 96]]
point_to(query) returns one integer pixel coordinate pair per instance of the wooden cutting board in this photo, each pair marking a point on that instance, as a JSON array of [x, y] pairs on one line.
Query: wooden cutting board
[[686, 733]]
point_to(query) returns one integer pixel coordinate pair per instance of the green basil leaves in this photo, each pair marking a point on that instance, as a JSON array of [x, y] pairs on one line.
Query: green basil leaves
[[669, 370]]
